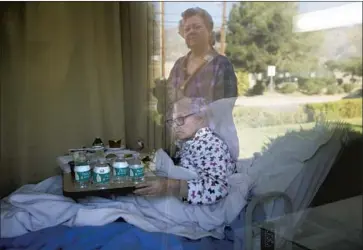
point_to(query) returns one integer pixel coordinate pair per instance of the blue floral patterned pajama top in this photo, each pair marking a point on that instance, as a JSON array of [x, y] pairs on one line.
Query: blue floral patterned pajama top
[[209, 156]]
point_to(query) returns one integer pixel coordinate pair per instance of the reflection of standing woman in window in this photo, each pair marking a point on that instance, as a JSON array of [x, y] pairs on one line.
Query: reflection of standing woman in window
[[202, 72]]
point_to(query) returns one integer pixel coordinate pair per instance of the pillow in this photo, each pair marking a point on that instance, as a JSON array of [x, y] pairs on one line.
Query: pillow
[[296, 164], [221, 122], [286, 155]]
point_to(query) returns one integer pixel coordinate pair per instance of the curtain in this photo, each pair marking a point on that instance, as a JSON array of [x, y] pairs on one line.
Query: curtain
[[70, 71], [139, 38]]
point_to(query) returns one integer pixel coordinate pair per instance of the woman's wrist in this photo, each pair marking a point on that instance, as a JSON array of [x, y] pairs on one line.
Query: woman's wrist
[[178, 188], [183, 189]]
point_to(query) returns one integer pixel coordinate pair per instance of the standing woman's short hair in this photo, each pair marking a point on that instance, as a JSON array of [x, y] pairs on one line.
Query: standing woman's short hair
[[207, 19]]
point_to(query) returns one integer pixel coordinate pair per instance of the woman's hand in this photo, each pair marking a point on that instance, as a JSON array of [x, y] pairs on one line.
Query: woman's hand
[[160, 187], [152, 188]]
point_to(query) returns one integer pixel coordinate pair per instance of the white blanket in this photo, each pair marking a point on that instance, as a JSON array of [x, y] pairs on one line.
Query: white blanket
[[34, 207]]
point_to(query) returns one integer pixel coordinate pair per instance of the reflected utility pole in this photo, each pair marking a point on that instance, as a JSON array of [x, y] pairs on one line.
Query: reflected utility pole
[[223, 31], [162, 39]]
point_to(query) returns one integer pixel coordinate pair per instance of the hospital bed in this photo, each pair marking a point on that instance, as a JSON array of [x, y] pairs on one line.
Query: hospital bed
[[336, 159], [302, 162]]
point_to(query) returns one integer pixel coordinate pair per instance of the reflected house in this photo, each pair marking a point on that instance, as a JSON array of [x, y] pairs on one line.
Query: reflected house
[[345, 15], [342, 29]]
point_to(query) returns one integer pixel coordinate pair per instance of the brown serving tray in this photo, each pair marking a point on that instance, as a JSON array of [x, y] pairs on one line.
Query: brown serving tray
[[70, 190]]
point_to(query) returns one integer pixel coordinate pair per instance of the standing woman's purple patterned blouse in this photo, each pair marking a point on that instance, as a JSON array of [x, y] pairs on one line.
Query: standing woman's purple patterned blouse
[[214, 81]]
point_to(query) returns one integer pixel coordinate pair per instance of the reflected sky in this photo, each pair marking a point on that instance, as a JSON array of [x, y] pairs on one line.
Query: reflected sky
[[174, 9]]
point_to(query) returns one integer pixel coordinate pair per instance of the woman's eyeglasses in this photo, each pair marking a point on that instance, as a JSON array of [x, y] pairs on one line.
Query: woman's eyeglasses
[[179, 121]]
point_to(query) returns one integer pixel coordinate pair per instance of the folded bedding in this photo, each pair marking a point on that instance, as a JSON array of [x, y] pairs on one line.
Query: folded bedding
[[35, 207]]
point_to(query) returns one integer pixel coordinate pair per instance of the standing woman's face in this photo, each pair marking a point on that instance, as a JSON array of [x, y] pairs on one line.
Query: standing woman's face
[[196, 33]]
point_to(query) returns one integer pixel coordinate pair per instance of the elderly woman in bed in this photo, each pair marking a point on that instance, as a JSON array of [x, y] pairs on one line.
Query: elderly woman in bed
[[200, 150]]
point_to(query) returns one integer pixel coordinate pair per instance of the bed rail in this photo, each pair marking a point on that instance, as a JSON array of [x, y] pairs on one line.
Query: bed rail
[[260, 200]]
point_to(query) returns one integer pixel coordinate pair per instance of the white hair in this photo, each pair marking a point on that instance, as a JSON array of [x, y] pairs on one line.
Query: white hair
[[196, 105]]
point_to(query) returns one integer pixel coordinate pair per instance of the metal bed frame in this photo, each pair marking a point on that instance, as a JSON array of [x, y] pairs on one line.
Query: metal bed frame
[[249, 223]]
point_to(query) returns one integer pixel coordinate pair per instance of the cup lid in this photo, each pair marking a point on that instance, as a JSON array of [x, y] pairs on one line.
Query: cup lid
[[82, 168]]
